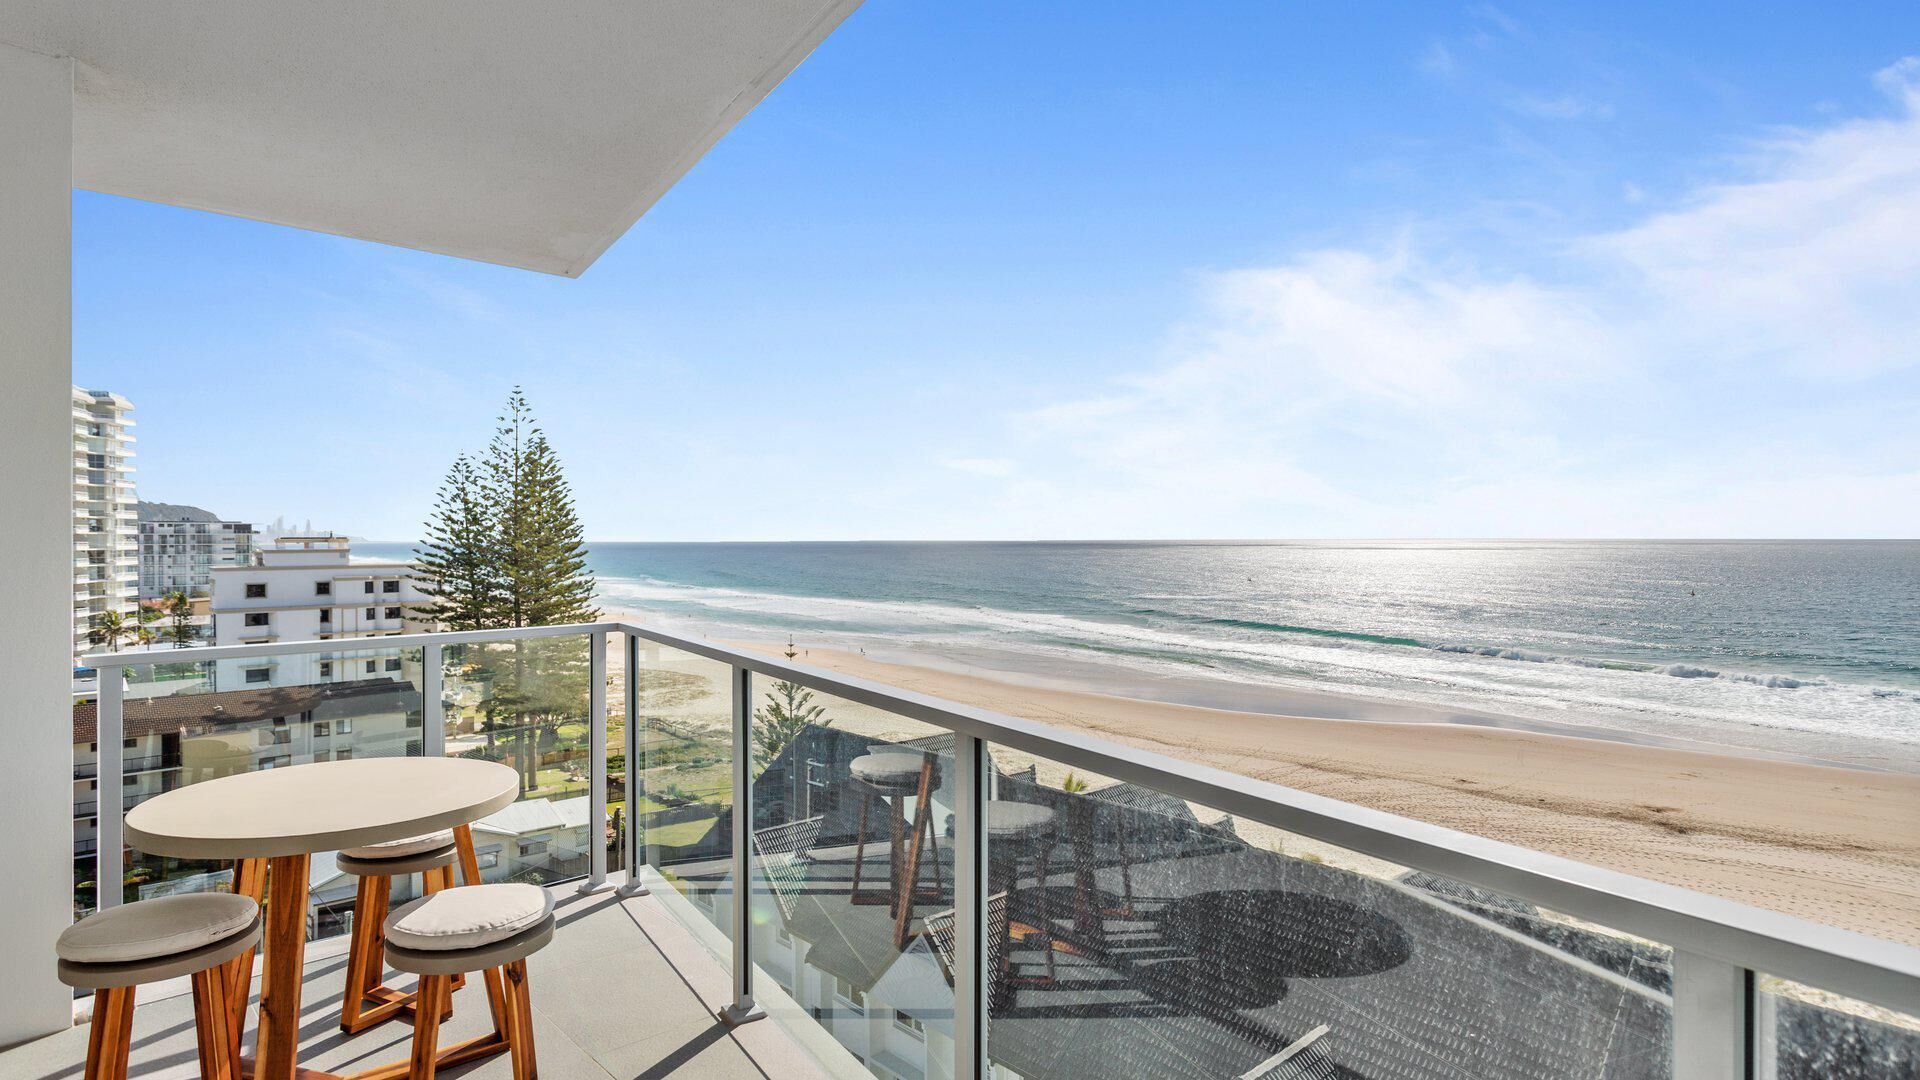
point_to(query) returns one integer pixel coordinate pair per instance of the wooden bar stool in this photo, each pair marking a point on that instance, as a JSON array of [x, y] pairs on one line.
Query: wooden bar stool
[[471, 928], [1014, 830], [895, 775], [367, 999], [115, 950]]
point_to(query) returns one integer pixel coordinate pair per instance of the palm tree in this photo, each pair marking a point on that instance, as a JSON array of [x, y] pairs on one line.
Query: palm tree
[[110, 627], [179, 611]]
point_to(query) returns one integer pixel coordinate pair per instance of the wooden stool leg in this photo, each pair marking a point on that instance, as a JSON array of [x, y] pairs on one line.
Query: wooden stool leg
[[249, 879], [426, 1026], [896, 848], [359, 981], [219, 1048], [110, 1037], [860, 841], [520, 1007]]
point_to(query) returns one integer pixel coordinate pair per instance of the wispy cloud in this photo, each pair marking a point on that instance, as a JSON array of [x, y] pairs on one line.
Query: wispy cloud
[[1560, 107], [996, 467], [1414, 391]]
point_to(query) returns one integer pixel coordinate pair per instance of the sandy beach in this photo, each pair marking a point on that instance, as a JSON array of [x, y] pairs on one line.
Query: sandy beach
[[1840, 846]]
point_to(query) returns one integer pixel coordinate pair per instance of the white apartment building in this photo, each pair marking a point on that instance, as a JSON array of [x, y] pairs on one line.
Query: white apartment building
[[106, 568], [309, 588], [180, 546]]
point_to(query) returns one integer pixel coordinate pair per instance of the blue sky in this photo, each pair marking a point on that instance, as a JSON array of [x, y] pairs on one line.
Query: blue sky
[[1005, 270]]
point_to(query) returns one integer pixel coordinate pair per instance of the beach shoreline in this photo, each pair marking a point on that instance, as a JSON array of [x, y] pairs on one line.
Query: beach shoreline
[[1830, 844]]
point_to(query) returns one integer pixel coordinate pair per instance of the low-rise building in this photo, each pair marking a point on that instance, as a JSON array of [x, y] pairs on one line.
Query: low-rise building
[[193, 735], [310, 588]]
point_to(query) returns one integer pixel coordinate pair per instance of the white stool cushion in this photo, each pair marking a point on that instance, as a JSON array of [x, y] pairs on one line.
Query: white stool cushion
[[1013, 819], [889, 767], [396, 849], [468, 917], [153, 928]]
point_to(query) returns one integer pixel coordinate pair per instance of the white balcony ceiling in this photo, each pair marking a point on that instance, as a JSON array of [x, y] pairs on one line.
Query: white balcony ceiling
[[529, 134]]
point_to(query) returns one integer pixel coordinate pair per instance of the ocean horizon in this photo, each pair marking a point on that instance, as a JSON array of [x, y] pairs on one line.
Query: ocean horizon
[[1808, 648]]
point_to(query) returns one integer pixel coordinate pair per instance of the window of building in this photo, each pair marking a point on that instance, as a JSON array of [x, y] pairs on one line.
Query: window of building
[[323, 588], [326, 615], [393, 613], [849, 995], [345, 727], [393, 663], [259, 618], [345, 753], [390, 586], [905, 1022], [128, 744], [369, 586], [258, 674], [372, 666], [532, 847], [370, 613], [256, 590], [488, 859], [326, 669], [278, 761]]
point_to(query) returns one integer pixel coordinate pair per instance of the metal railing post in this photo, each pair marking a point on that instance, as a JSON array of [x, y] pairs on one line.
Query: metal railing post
[[971, 974], [636, 849], [109, 802], [596, 764], [433, 719], [1712, 1018], [743, 1010]]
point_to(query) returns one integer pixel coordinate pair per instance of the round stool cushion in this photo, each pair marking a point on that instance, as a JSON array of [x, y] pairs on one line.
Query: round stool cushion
[[889, 768], [468, 917], [395, 849], [150, 929], [1012, 820]]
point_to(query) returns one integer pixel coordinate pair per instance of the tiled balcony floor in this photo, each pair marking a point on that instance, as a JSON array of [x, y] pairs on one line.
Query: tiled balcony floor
[[622, 991]]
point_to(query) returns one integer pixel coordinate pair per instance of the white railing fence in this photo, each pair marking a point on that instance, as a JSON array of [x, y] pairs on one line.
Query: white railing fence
[[1720, 947]]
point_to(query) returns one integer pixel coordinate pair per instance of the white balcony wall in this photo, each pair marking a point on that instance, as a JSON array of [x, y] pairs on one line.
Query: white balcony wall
[[36, 442]]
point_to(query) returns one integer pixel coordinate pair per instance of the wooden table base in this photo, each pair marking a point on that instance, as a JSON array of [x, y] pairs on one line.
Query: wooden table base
[[277, 1042]]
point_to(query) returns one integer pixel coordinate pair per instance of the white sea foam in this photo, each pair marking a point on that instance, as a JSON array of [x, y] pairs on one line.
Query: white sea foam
[[1673, 698]]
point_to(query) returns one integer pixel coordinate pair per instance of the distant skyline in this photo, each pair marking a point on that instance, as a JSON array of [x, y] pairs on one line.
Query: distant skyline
[[1243, 271]]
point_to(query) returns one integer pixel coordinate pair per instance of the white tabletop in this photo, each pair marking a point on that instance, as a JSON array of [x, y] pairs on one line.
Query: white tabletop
[[325, 806]]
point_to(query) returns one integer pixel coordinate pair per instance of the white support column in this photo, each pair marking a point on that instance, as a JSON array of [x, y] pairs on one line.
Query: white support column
[[109, 796], [433, 716], [636, 850], [36, 575], [971, 977], [1712, 1018], [744, 1009], [596, 764]]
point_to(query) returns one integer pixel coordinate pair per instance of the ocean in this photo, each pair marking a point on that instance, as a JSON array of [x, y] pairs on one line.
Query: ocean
[[1796, 647]]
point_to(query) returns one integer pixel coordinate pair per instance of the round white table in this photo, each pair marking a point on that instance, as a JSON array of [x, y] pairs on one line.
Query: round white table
[[272, 821]]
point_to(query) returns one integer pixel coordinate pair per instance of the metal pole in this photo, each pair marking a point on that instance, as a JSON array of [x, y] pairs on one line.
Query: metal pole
[[971, 978], [109, 782], [743, 1010], [596, 764], [433, 720], [1712, 1018], [636, 849]]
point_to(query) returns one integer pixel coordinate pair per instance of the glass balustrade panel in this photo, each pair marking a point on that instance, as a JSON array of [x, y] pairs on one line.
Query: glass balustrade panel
[[1135, 934]]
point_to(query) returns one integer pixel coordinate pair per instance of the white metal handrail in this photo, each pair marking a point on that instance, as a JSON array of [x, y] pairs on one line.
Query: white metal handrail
[[1720, 945]]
